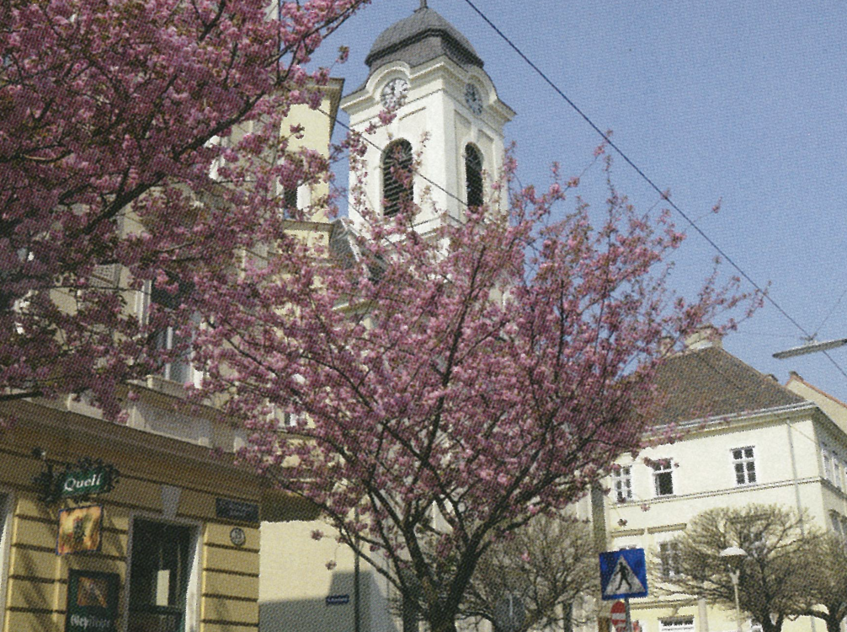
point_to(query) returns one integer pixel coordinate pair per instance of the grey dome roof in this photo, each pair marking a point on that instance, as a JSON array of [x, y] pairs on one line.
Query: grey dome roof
[[419, 38]]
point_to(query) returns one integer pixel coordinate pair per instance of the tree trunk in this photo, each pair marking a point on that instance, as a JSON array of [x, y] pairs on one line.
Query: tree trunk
[[441, 622], [567, 617], [769, 626]]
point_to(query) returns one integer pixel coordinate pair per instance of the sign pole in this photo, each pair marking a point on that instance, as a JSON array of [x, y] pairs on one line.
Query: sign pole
[[628, 617]]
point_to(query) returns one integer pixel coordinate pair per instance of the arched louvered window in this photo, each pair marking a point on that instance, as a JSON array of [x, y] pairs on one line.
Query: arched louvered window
[[473, 175], [397, 187]]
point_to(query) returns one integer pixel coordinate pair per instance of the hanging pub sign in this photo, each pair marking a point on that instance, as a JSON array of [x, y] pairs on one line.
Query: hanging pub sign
[[92, 601], [80, 530], [78, 482], [87, 481]]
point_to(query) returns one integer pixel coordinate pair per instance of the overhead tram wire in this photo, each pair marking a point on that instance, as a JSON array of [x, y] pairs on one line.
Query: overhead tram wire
[[635, 167], [648, 180], [729, 380]]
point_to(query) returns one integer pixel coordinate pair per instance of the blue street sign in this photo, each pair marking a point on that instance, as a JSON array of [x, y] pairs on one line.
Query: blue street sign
[[623, 574]]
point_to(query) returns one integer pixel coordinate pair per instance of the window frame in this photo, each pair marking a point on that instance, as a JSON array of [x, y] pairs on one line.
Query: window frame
[[745, 462], [7, 505], [836, 523], [193, 595], [166, 372], [622, 482], [661, 468], [290, 201], [677, 624], [826, 460], [669, 556]]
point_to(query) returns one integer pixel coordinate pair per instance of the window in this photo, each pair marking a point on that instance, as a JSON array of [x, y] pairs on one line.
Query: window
[[827, 463], [622, 481], [836, 523], [169, 338], [159, 576], [745, 466], [397, 187], [289, 201], [669, 559], [473, 176], [663, 477], [677, 624]]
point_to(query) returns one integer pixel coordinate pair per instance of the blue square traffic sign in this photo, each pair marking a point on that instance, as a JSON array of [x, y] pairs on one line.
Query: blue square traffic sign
[[623, 574]]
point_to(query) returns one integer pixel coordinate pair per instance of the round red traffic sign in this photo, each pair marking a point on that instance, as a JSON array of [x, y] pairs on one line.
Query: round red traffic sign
[[618, 616]]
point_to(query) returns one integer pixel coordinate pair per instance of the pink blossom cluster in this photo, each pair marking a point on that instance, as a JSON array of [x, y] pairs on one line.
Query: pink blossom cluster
[[113, 115], [457, 384]]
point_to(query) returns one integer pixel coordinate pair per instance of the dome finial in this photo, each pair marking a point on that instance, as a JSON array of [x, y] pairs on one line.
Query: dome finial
[[423, 5]]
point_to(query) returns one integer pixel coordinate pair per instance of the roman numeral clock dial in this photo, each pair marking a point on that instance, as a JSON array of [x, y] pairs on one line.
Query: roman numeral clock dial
[[473, 99]]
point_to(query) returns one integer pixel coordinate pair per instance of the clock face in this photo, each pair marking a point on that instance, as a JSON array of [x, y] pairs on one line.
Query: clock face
[[473, 99], [237, 536], [394, 93]]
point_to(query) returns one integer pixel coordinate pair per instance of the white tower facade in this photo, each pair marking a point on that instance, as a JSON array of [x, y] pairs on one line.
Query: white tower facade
[[448, 115]]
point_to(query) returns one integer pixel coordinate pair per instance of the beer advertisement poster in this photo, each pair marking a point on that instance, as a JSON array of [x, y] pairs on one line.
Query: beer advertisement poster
[[92, 601]]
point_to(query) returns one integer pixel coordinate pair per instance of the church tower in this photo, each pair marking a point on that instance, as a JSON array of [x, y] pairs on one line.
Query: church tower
[[426, 69]]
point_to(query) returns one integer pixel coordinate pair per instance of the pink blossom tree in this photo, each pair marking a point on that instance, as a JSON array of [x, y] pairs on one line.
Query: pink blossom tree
[[111, 115], [448, 388]]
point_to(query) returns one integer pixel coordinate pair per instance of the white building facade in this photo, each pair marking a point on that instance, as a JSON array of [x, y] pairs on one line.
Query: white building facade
[[743, 438]]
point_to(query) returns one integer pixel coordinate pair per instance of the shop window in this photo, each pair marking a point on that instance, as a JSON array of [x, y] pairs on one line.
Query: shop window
[[622, 480], [160, 572], [663, 477], [473, 175], [745, 466], [397, 187]]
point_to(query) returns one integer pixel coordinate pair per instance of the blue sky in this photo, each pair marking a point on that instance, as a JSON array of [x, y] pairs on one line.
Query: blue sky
[[743, 101]]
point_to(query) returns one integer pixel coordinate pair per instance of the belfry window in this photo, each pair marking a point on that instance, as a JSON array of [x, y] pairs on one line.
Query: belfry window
[[473, 175], [397, 187]]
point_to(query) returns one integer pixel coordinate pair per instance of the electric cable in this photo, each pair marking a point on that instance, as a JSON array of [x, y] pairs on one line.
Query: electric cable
[[645, 177], [729, 380]]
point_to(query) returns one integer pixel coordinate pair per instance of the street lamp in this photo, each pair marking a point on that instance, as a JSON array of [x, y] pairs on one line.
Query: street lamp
[[734, 556], [811, 346]]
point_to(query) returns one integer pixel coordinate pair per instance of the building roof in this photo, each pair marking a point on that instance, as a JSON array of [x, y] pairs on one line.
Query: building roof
[[710, 382], [419, 38]]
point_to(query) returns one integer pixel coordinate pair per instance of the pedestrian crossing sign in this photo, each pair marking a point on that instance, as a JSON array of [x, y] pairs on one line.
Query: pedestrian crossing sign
[[623, 574]]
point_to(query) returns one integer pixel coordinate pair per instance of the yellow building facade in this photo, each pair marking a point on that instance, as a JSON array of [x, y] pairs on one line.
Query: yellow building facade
[[176, 548], [147, 525]]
